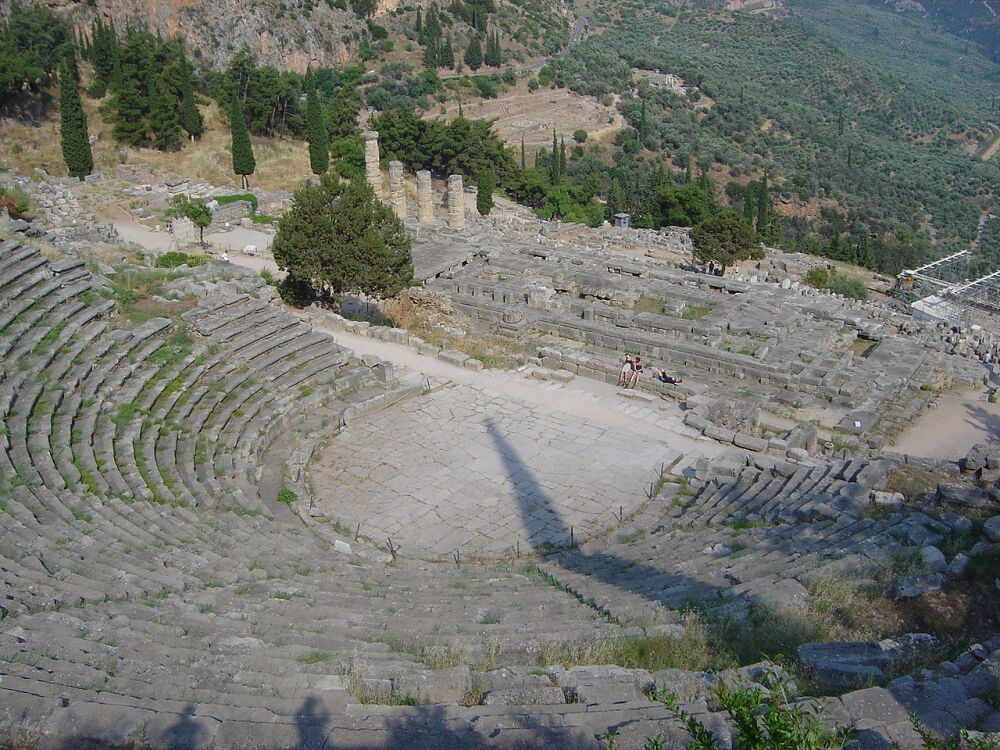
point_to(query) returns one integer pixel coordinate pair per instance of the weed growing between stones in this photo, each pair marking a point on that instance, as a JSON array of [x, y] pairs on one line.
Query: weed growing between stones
[[765, 716], [964, 740]]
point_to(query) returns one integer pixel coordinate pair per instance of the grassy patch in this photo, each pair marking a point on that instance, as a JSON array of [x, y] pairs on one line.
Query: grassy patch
[[649, 305], [314, 657]]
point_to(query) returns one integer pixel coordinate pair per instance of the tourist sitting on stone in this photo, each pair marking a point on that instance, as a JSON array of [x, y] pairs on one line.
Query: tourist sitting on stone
[[636, 372], [662, 376], [626, 374]]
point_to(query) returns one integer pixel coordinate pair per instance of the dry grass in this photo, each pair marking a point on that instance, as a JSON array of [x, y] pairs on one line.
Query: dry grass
[[911, 481], [282, 163]]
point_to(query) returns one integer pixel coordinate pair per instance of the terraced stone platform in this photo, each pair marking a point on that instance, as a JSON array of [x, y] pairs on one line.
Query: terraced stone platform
[[469, 471]]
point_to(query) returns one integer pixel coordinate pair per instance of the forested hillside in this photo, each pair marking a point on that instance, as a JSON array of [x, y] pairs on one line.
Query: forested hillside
[[896, 156]]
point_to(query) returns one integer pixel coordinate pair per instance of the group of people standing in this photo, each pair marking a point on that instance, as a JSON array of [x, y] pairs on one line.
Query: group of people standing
[[632, 370]]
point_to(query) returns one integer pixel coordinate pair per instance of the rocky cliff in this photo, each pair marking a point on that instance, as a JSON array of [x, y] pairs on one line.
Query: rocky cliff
[[288, 35]]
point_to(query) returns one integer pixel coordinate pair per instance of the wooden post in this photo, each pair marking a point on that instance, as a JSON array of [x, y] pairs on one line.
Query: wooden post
[[392, 549], [572, 543], [458, 558], [357, 531]]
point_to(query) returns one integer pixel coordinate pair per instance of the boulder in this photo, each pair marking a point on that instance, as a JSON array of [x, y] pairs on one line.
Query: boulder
[[975, 459], [909, 587], [991, 529], [933, 559], [964, 496]]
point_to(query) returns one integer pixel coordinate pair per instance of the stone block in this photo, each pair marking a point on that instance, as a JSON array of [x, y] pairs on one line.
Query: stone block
[[452, 357], [932, 559], [750, 442], [909, 587], [693, 420], [562, 376], [719, 433], [975, 459], [893, 500], [170, 730], [958, 564], [874, 705], [964, 496], [473, 364], [525, 696], [85, 724], [438, 686], [991, 529], [798, 454], [802, 436]]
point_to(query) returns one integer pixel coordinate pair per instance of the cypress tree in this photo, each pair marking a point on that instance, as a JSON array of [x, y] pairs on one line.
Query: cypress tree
[[418, 25], [319, 152], [749, 203], [493, 49], [73, 127], [522, 153], [703, 182], [562, 159], [446, 58], [163, 120], [554, 162], [191, 119], [763, 205], [474, 53], [486, 183], [432, 57], [615, 200], [243, 161]]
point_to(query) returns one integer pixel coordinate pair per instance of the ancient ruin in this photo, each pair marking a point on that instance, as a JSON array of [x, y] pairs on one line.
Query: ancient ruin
[[227, 524]]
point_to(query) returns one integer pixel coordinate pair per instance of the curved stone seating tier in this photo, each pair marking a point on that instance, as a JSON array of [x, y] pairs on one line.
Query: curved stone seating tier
[[150, 596], [754, 537]]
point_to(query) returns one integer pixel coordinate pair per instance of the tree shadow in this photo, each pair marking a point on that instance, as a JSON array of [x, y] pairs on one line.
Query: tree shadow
[[983, 420]]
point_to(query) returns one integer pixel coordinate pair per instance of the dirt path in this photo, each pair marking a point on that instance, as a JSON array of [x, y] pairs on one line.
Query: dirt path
[[992, 149], [952, 427]]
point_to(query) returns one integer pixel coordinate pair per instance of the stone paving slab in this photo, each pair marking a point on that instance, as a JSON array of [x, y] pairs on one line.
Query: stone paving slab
[[469, 470]]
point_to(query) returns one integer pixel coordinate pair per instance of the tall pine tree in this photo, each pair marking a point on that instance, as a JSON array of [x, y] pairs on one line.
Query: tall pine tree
[[446, 57], [191, 119], [474, 53], [763, 205], [244, 163], [73, 127], [493, 50], [316, 133], [163, 120]]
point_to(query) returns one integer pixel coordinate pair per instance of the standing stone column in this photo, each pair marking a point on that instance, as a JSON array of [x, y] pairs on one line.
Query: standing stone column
[[372, 173], [425, 200], [397, 195], [456, 202]]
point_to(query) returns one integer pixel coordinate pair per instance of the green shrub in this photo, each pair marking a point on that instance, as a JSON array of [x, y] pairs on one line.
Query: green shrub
[[768, 719], [296, 292], [817, 277], [286, 496], [173, 259], [848, 286]]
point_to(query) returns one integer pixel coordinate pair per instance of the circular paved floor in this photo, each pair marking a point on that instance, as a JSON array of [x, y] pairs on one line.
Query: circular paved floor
[[471, 470]]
